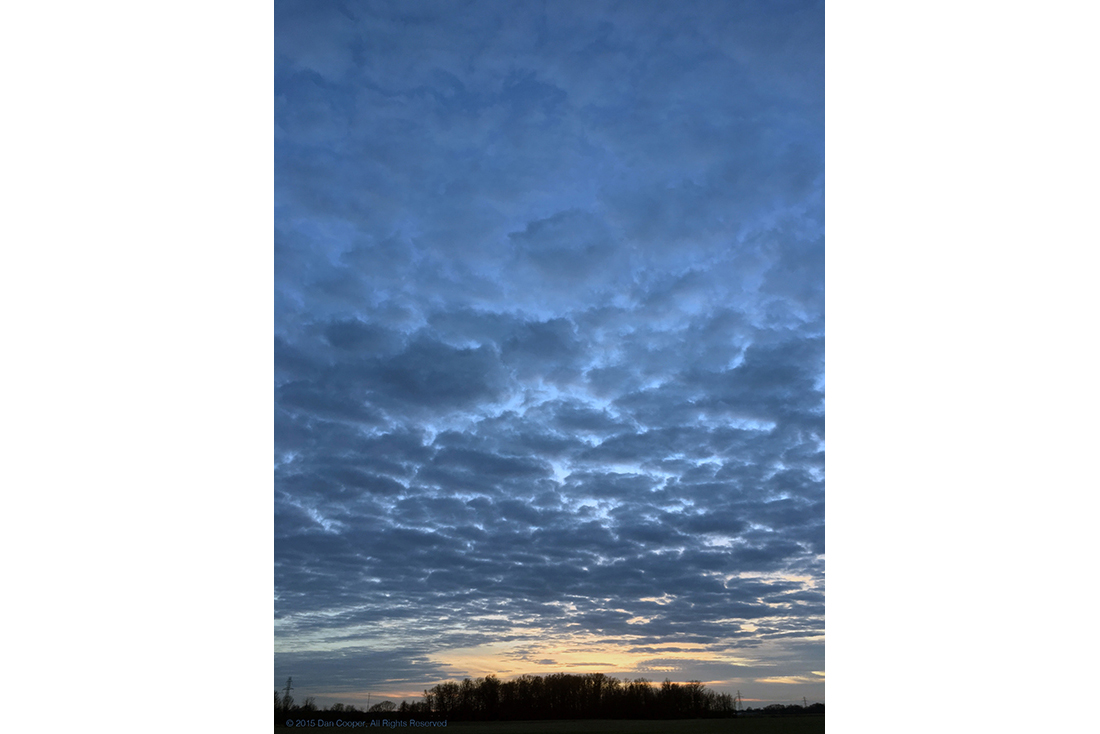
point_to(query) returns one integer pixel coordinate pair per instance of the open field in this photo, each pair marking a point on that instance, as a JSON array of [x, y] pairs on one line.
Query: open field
[[745, 725]]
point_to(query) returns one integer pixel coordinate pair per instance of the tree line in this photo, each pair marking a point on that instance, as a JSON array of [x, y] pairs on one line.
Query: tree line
[[554, 696], [569, 696]]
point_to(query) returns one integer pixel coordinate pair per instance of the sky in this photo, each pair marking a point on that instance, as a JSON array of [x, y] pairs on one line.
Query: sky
[[549, 344]]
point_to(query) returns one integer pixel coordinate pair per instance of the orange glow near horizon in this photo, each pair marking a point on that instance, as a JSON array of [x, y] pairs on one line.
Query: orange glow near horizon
[[581, 652], [579, 655], [534, 650]]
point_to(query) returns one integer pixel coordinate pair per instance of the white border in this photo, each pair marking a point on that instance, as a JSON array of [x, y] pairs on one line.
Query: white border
[[137, 290]]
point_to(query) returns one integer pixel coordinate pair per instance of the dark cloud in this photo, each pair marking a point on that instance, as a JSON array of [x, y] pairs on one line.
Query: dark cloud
[[549, 345]]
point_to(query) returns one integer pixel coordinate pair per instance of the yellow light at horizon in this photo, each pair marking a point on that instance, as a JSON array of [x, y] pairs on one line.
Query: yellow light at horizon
[[788, 679], [580, 653]]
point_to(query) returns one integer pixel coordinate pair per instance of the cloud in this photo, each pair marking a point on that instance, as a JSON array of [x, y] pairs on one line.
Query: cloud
[[549, 337]]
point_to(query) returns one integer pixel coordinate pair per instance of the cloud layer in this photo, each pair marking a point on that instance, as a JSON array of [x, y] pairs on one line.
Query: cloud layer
[[549, 343]]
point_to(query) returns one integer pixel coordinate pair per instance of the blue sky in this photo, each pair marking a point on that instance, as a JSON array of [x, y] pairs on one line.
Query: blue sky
[[549, 344]]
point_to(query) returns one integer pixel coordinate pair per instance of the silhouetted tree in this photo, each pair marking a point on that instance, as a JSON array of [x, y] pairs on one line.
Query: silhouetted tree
[[695, 697]]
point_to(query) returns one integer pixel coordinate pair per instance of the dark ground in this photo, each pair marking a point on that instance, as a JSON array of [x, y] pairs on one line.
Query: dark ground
[[809, 724]]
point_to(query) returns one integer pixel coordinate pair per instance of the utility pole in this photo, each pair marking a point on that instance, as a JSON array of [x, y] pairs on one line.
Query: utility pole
[[286, 694], [803, 702], [737, 704]]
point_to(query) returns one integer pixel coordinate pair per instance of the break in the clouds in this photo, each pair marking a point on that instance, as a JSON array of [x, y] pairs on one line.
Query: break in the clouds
[[549, 349]]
